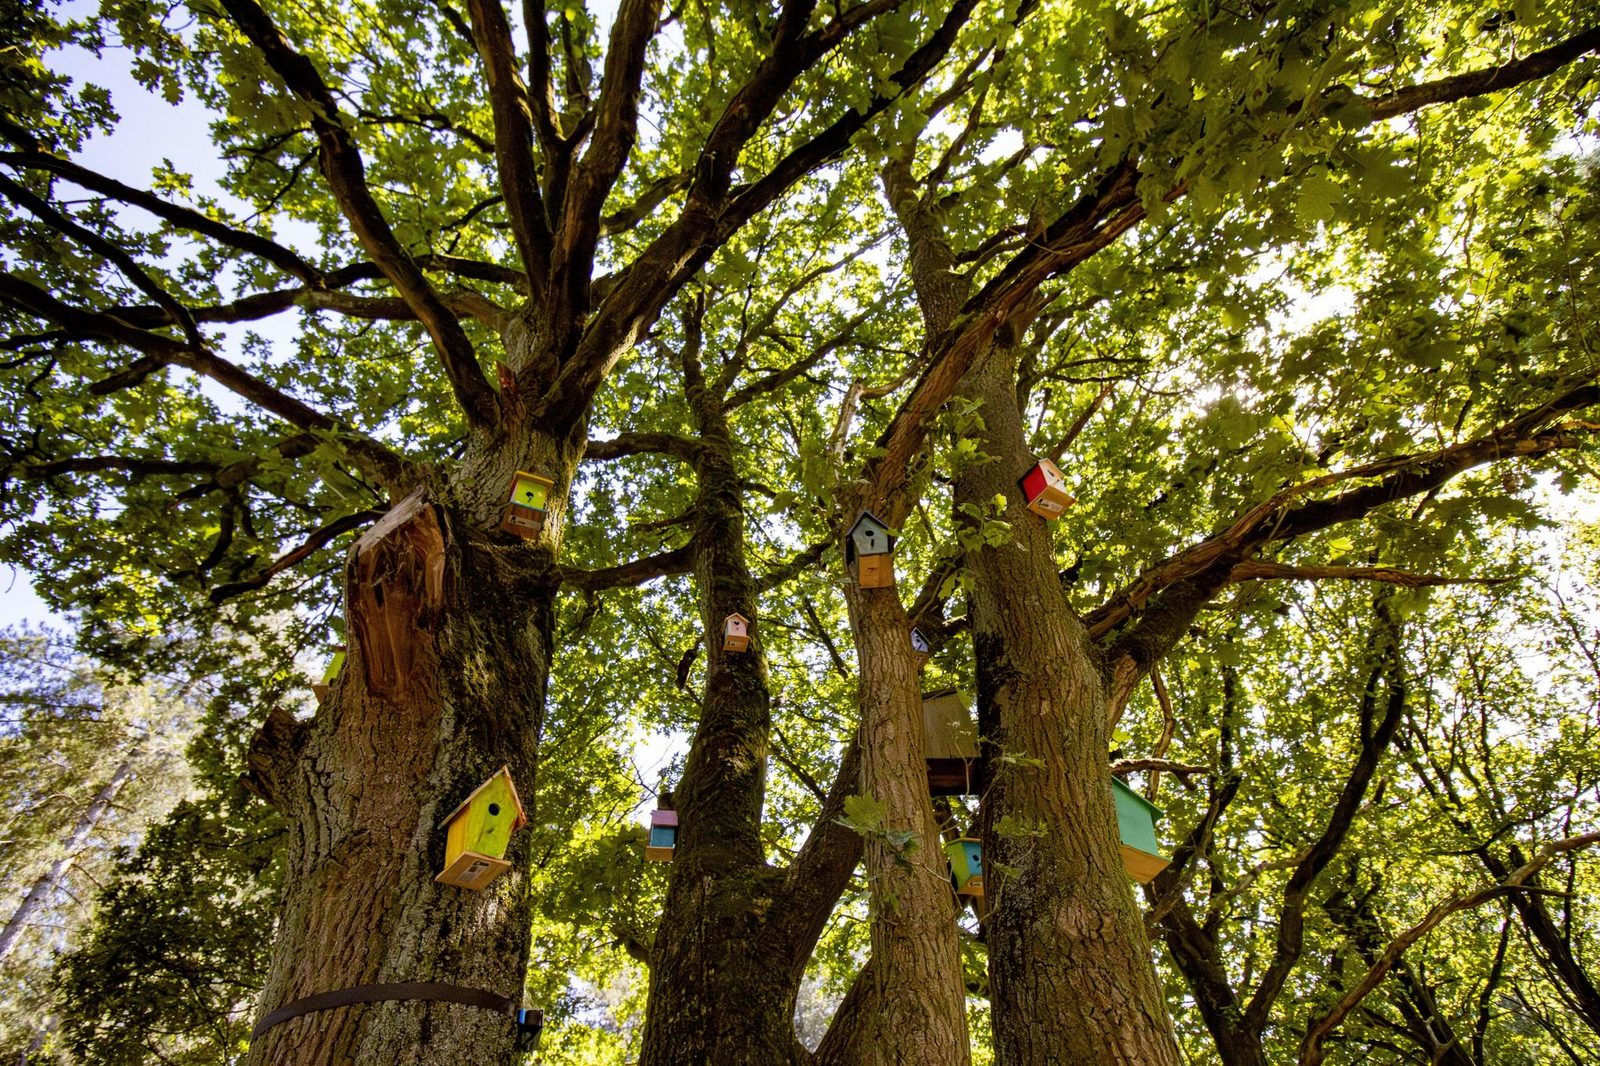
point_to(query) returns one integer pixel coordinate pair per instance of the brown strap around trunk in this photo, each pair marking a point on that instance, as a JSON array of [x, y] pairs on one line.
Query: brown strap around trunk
[[424, 990]]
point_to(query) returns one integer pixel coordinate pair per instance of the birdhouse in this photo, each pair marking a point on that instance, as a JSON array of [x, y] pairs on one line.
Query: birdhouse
[[530, 498], [966, 862], [735, 633], [949, 743], [663, 836], [869, 553], [1045, 490], [919, 644], [479, 831], [331, 674], [1136, 826]]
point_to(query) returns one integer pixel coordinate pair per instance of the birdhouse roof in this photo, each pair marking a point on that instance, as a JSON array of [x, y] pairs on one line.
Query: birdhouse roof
[[737, 617], [1052, 472], [1121, 788], [511, 787], [865, 531], [662, 816]]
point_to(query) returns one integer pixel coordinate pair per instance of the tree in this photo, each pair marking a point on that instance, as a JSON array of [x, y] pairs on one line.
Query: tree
[[668, 243]]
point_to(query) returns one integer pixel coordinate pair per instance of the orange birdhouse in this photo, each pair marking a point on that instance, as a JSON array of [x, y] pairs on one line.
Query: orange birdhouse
[[1045, 490], [869, 552], [530, 498], [735, 633], [479, 831]]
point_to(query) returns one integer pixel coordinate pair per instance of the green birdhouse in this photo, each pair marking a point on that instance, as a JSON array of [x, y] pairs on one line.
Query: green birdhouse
[[966, 863], [530, 498], [331, 674], [1136, 825], [479, 831]]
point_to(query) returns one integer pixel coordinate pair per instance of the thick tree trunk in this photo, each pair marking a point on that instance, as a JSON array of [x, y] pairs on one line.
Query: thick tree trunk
[[918, 999], [735, 935], [1070, 971], [450, 632], [46, 884]]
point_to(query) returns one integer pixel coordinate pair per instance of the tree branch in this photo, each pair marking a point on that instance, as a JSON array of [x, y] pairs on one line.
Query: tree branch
[[1491, 79], [342, 166], [317, 540], [645, 443], [637, 572], [1257, 570]]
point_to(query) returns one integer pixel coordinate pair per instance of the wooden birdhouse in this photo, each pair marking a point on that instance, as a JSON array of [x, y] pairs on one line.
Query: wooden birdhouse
[[479, 831], [331, 674], [869, 553], [950, 744], [1045, 490], [920, 645], [530, 498], [1136, 826], [663, 836], [966, 862], [735, 633]]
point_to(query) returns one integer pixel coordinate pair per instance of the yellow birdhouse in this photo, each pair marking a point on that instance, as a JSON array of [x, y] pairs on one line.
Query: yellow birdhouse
[[331, 674], [530, 498], [479, 831], [736, 633]]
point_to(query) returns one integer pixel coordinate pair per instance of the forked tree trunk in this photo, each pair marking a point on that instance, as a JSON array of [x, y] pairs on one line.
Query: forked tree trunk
[[450, 628], [736, 933], [917, 997], [1071, 978]]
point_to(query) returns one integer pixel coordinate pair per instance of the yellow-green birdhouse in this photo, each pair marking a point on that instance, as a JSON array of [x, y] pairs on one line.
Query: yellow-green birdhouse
[[331, 674], [966, 864], [479, 831], [530, 498]]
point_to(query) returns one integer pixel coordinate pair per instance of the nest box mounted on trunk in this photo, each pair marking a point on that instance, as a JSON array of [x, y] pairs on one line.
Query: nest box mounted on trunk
[[949, 743], [735, 633], [1045, 490], [966, 862], [869, 553], [663, 835], [530, 498], [920, 646], [331, 674], [1136, 826], [479, 831]]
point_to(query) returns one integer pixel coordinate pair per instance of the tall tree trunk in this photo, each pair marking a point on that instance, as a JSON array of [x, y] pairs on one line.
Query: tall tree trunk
[[450, 652], [47, 883], [735, 934], [919, 1000], [1070, 970]]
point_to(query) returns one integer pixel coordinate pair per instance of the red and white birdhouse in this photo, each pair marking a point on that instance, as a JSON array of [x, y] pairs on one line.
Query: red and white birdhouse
[[1045, 490], [735, 633]]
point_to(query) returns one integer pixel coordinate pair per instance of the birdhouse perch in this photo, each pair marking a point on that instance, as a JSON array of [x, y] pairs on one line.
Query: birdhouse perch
[[479, 831]]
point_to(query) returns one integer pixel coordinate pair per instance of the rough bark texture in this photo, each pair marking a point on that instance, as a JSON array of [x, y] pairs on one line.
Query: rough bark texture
[[1069, 963], [445, 682], [919, 1004], [735, 935]]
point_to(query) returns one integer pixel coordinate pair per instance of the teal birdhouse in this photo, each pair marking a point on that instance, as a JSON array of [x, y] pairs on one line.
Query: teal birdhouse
[[869, 553], [1136, 825], [966, 863], [663, 836]]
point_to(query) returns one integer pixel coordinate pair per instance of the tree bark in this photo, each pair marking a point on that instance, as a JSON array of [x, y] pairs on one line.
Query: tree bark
[[919, 1001], [1070, 971], [46, 884], [736, 933], [450, 645]]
